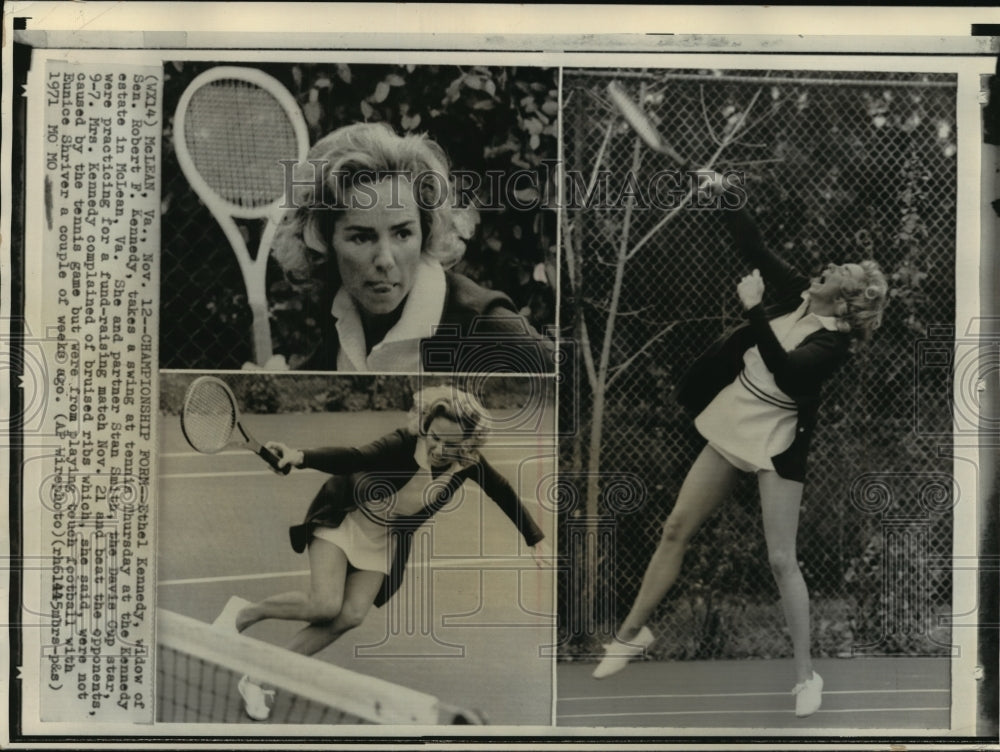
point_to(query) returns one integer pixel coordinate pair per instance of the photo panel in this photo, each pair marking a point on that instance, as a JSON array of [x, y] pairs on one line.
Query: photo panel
[[396, 565], [380, 387], [282, 182], [678, 184]]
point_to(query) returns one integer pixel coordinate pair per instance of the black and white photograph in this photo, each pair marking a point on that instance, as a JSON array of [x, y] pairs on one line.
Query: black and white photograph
[[391, 217], [770, 253], [483, 374], [386, 558]]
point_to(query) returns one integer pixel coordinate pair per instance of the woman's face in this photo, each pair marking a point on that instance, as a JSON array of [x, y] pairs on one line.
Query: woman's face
[[445, 441], [826, 287], [377, 242]]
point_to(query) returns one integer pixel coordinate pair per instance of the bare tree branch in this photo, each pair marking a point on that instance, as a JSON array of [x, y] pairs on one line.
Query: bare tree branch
[[622, 367], [704, 116], [573, 268]]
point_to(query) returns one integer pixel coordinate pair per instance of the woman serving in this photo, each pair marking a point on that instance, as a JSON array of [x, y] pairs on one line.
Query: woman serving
[[376, 235], [358, 528], [756, 394]]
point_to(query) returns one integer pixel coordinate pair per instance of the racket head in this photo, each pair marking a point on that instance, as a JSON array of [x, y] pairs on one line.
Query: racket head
[[232, 129], [640, 123], [209, 416]]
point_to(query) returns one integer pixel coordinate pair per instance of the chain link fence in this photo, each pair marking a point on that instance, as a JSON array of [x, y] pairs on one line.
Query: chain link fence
[[837, 167]]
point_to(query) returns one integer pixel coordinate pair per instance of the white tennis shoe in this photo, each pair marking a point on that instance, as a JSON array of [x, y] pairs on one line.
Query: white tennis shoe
[[617, 654], [257, 701], [226, 620], [808, 695]]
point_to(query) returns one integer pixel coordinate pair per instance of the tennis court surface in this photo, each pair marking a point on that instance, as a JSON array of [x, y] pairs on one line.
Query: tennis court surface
[[859, 693], [473, 615]]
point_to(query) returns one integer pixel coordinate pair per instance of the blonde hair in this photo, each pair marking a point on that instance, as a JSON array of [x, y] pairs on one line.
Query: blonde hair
[[860, 303], [346, 157], [454, 405]]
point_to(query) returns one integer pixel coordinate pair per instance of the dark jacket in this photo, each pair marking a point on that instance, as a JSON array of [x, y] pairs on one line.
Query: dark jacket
[[372, 474], [799, 373], [480, 331]]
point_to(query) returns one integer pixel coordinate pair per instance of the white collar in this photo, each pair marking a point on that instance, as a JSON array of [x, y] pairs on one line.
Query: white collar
[[827, 322], [421, 313]]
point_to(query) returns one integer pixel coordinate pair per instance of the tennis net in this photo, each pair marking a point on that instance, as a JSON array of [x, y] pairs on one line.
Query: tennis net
[[198, 668]]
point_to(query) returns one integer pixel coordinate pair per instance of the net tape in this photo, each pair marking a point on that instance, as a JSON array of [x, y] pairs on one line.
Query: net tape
[[198, 668]]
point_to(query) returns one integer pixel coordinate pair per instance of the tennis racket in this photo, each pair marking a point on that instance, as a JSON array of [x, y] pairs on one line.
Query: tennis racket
[[232, 129], [210, 420], [642, 125]]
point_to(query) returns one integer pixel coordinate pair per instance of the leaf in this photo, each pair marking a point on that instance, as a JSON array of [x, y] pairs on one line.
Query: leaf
[[366, 110], [313, 113], [410, 67], [409, 123], [381, 92], [550, 108], [490, 88], [526, 196], [394, 79], [452, 93], [344, 72], [323, 82], [473, 82], [535, 141], [533, 126]]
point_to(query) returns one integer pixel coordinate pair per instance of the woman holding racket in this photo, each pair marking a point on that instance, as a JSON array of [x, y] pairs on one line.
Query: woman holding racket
[[358, 528], [756, 394], [375, 236]]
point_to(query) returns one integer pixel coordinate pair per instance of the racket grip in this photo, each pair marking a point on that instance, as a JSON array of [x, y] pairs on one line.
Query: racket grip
[[272, 459]]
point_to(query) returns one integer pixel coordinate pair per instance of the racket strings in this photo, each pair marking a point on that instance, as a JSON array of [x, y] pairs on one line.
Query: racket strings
[[237, 133], [209, 416]]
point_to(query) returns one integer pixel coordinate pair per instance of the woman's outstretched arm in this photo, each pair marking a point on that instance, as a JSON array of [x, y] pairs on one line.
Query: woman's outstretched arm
[[783, 278], [346, 460], [505, 497]]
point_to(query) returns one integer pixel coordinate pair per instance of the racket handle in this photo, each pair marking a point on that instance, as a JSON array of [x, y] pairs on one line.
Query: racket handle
[[272, 459]]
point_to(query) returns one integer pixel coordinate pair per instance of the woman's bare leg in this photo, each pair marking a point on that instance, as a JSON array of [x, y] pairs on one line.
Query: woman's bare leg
[[359, 595], [781, 500], [327, 574], [708, 483]]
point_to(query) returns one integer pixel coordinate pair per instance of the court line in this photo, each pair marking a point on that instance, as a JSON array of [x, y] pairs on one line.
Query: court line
[[248, 473], [234, 473], [439, 563], [243, 453], [750, 712], [233, 578], [751, 694]]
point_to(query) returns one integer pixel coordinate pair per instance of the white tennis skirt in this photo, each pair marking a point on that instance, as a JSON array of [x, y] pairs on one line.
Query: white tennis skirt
[[365, 542]]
